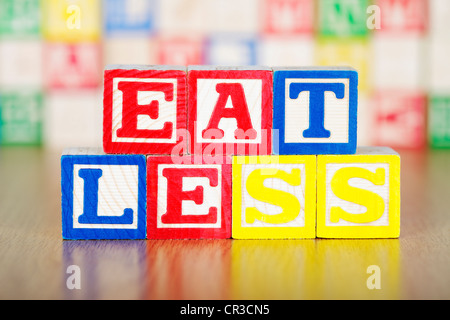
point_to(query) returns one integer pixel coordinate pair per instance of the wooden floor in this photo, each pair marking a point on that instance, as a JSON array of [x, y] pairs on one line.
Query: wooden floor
[[34, 258]]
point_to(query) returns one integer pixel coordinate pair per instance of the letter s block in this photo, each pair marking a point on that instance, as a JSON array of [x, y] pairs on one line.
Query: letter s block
[[315, 110], [103, 196], [144, 110], [230, 110], [274, 197], [188, 200], [358, 196]]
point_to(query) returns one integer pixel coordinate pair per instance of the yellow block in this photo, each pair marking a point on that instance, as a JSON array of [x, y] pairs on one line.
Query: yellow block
[[274, 197], [358, 196], [71, 20]]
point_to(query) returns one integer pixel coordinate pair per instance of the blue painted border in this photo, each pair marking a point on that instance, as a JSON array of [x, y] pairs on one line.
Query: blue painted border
[[67, 165], [279, 113]]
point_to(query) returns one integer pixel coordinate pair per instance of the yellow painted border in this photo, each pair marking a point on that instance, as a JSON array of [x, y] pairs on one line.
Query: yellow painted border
[[308, 231], [390, 231]]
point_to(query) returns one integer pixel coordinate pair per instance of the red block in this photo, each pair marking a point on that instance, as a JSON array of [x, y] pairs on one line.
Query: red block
[[288, 16], [188, 199], [72, 65], [403, 16], [230, 111], [144, 110], [400, 119]]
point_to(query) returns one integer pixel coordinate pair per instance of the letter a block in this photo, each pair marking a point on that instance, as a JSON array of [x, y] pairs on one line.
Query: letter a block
[[315, 110], [144, 110], [230, 110], [103, 196], [274, 197], [358, 196], [188, 200]]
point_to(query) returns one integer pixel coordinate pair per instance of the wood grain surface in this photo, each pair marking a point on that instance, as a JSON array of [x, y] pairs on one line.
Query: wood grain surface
[[34, 258]]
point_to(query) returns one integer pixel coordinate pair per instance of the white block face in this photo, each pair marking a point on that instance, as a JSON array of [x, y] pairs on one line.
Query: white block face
[[278, 184], [167, 110], [353, 208], [439, 68], [336, 114], [439, 23], [292, 51], [212, 197], [129, 50], [207, 97], [117, 190]]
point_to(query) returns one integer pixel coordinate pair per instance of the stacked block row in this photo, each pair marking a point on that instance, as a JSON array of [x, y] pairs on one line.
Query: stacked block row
[[230, 152]]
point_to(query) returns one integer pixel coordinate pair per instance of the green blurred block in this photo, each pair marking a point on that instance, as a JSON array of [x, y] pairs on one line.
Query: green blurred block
[[21, 118], [439, 122], [20, 17], [343, 18]]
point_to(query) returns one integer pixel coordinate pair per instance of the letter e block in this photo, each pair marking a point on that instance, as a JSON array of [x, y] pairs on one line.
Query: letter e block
[[230, 110], [315, 111], [103, 196], [274, 197], [188, 200], [358, 196], [144, 110]]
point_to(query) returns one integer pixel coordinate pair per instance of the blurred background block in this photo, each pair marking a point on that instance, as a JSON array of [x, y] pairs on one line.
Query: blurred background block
[[59, 48]]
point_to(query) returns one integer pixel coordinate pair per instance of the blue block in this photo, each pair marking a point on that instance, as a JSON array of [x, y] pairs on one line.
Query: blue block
[[315, 110], [122, 16], [103, 196]]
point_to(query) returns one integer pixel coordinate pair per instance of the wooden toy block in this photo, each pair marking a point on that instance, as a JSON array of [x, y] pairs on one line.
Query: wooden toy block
[[144, 109], [72, 65], [71, 21], [439, 70], [358, 196], [272, 50], [343, 18], [403, 16], [438, 20], [274, 197], [129, 17], [231, 49], [21, 117], [103, 196], [282, 17], [315, 110], [230, 110], [175, 50], [400, 119], [19, 68], [129, 50], [19, 18], [73, 118], [188, 198], [439, 121]]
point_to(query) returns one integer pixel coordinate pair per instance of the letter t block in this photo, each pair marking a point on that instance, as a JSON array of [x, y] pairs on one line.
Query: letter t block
[[315, 110]]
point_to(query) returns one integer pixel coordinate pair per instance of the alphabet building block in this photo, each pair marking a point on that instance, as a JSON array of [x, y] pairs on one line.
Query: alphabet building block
[[230, 110], [358, 196], [274, 197], [144, 109], [103, 196], [439, 121], [403, 16], [19, 18], [315, 110], [188, 199], [282, 17]]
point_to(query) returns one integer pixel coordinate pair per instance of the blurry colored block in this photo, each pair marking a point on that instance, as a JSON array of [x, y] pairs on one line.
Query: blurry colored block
[[72, 65], [275, 50], [185, 16], [73, 118], [343, 17], [21, 117], [231, 50], [288, 16], [20, 63], [355, 53], [71, 20], [18, 18], [439, 68], [439, 121], [403, 16], [180, 51], [129, 50], [439, 23], [129, 16], [398, 62], [400, 119]]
